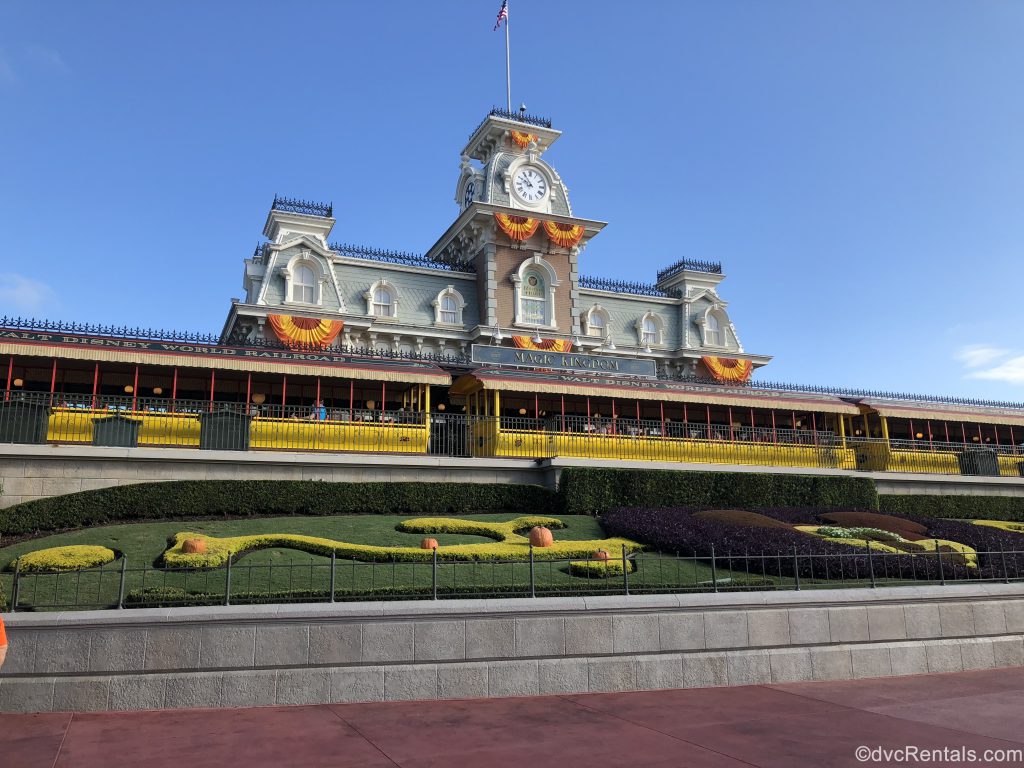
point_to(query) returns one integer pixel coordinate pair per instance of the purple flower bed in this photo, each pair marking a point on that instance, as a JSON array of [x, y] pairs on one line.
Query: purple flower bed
[[782, 552]]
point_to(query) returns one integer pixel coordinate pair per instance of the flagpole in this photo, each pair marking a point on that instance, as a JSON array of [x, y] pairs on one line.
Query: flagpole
[[508, 65]]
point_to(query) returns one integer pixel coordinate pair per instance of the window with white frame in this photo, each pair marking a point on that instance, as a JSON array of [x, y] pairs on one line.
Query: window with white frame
[[650, 330], [714, 329], [596, 322], [304, 284], [383, 302], [649, 333], [448, 307], [533, 298]]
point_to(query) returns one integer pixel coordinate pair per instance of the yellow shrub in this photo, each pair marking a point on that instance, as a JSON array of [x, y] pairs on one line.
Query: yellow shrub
[[1003, 524], [72, 558], [960, 552], [508, 545]]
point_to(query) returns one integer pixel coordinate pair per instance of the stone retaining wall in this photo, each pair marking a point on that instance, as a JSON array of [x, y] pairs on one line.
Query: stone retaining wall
[[315, 653]]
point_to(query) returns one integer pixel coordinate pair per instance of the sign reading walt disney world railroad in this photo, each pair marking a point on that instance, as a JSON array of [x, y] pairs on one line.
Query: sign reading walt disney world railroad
[[563, 361]]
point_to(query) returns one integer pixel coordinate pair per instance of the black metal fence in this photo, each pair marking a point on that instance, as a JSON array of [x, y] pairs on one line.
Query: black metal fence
[[330, 579]]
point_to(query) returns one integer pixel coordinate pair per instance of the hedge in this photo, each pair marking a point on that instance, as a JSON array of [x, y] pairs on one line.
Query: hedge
[[595, 491], [266, 498], [73, 558], [1009, 508]]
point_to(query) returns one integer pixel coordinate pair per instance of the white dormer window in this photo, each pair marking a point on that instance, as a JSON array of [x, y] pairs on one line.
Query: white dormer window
[[304, 277], [650, 330], [382, 300], [716, 328], [383, 303], [304, 285], [596, 322], [448, 307]]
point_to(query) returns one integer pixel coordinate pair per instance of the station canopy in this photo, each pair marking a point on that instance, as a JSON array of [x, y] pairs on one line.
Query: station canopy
[[587, 385], [945, 412]]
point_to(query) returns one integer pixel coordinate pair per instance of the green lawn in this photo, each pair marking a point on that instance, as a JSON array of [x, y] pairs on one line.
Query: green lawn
[[283, 570]]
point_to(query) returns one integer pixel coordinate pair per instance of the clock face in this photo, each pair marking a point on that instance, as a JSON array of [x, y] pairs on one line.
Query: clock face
[[530, 185], [470, 192]]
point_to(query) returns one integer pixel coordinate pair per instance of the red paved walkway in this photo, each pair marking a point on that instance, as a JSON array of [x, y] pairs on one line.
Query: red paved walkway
[[799, 724]]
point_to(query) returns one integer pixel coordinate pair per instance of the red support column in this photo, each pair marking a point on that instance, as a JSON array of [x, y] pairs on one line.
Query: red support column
[[284, 392], [383, 400], [1013, 440], [775, 433], [53, 381], [248, 392], [95, 384], [213, 383], [318, 389], [174, 390], [963, 431], [638, 414], [945, 424], [351, 400], [686, 418], [709, 420], [563, 413], [661, 408], [792, 416], [10, 372], [731, 436], [588, 415], [981, 437], [911, 422], [615, 417], [814, 428], [135, 389], [995, 431], [928, 424], [536, 406]]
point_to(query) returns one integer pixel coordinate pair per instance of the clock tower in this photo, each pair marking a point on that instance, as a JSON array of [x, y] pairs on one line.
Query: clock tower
[[502, 165]]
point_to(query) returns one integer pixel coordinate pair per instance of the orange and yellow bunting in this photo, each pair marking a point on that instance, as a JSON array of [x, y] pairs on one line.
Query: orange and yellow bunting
[[517, 227], [565, 235], [729, 369], [522, 139], [307, 331], [546, 345]]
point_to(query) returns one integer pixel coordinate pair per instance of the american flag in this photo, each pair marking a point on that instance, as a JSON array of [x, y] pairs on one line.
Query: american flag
[[502, 15]]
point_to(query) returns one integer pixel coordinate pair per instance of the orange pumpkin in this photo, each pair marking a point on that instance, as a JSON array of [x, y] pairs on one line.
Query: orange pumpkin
[[600, 555], [3, 642], [541, 537], [193, 547], [428, 544]]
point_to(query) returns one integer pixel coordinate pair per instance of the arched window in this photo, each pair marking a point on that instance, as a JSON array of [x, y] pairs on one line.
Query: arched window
[[383, 303], [303, 284], [533, 298], [650, 330], [535, 284], [448, 307], [596, 322], [449, 310], [715, 329], [649, 334]]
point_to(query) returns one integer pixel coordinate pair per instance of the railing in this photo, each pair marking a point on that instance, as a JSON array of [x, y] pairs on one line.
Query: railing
[[519, 117], [626, 286], [692, 265], [401, 257], [341, 426], [305, 207], [330, 579]]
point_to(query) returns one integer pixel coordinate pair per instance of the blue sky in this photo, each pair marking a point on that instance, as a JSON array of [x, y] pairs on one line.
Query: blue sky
[[857, 167]]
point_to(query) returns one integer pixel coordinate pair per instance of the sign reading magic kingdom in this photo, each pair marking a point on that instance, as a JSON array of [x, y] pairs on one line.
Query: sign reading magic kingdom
[[563, 361]]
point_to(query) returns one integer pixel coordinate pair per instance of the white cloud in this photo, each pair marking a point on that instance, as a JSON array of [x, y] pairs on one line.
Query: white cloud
[[977, 355], [1010, 371], [23, 295]]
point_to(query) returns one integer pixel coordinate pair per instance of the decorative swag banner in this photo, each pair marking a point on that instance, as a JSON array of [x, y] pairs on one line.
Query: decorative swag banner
[[565, 235], [546, 345], [522, 139], [305, 330], [729, 369], [517, 227]]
